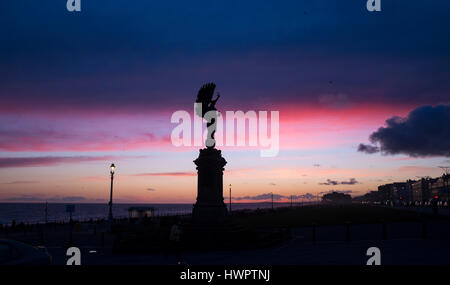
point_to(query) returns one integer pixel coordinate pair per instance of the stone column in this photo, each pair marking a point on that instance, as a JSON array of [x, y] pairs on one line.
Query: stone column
[[210, 206]]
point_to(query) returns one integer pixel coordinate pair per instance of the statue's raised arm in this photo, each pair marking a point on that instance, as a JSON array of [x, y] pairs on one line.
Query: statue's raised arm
[[212, 106]]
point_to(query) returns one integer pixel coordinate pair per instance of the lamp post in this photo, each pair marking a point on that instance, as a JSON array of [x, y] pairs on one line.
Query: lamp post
[[230, 199], [110, 216], [272, 199], [46, 212]]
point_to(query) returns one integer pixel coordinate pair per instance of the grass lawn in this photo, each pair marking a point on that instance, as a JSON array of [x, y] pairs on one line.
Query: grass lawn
[[327, 215]]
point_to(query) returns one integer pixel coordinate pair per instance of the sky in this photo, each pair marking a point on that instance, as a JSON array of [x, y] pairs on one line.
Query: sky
[[362, 97]]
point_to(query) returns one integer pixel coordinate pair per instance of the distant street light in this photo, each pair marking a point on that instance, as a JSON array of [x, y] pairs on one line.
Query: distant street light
[[110, 216], [230, 198], [272, 199], [46, 212]]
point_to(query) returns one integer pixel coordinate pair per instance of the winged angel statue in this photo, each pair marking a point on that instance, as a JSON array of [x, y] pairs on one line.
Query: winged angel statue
[[205, 107]]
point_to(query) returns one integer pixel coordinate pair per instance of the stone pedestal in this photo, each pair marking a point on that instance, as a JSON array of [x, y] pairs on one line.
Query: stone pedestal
[[209, 207]]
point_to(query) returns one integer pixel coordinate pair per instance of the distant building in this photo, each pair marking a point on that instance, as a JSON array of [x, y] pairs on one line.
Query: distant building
[[385, 192], [423, 190], [372, 196], [420, 190], [336, 198], [140, 212], [397, 191], [439, 187], [404, 191]]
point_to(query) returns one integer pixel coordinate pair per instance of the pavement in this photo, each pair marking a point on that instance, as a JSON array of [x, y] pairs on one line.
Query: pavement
[[405, 245]]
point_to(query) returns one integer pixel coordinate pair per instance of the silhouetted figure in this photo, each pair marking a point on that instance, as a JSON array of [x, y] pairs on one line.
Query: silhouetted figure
[[207, 104], [434, 206], [173, 244]]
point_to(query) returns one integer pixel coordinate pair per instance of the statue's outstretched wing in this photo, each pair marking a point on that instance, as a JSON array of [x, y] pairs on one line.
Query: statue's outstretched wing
[[205, 93], [204, 97]]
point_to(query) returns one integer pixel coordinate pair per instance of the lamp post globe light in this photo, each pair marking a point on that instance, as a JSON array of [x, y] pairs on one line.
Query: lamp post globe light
[[112, 168]]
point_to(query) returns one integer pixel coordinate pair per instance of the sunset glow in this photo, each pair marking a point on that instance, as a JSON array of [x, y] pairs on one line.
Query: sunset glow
[[85, 92]]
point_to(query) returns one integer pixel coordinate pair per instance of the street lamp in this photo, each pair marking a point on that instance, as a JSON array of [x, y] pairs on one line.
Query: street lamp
[[271, 193], [110, 216], [230, 198]]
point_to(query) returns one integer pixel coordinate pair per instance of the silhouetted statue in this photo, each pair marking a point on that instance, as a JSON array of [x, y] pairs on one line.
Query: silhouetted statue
[[210, 163], [210, 226], [206, 108]]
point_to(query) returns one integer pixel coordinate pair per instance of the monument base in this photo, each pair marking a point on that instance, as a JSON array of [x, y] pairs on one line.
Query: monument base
[[218, 235], [202, 213], [210, 207]]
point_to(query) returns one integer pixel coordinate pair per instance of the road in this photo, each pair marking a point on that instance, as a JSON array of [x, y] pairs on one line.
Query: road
[[405, 245]]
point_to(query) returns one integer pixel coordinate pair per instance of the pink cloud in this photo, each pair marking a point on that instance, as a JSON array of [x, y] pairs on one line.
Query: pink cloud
[[301, 126], [6, 162], [174, 174]]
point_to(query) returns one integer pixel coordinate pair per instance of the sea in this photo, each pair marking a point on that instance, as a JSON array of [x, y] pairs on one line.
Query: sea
[[33, 213]]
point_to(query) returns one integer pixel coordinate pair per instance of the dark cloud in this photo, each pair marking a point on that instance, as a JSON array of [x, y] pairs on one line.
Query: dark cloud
[[368, 148], [424, 132], [6, 162], [329, 182], [277, 197], [316, 165], [338, 191], [175, 174], [42, 198], [307, 196], [272, 184], [24, 198], [267, 196], [19, 182], [151, 189], [352, 181]]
